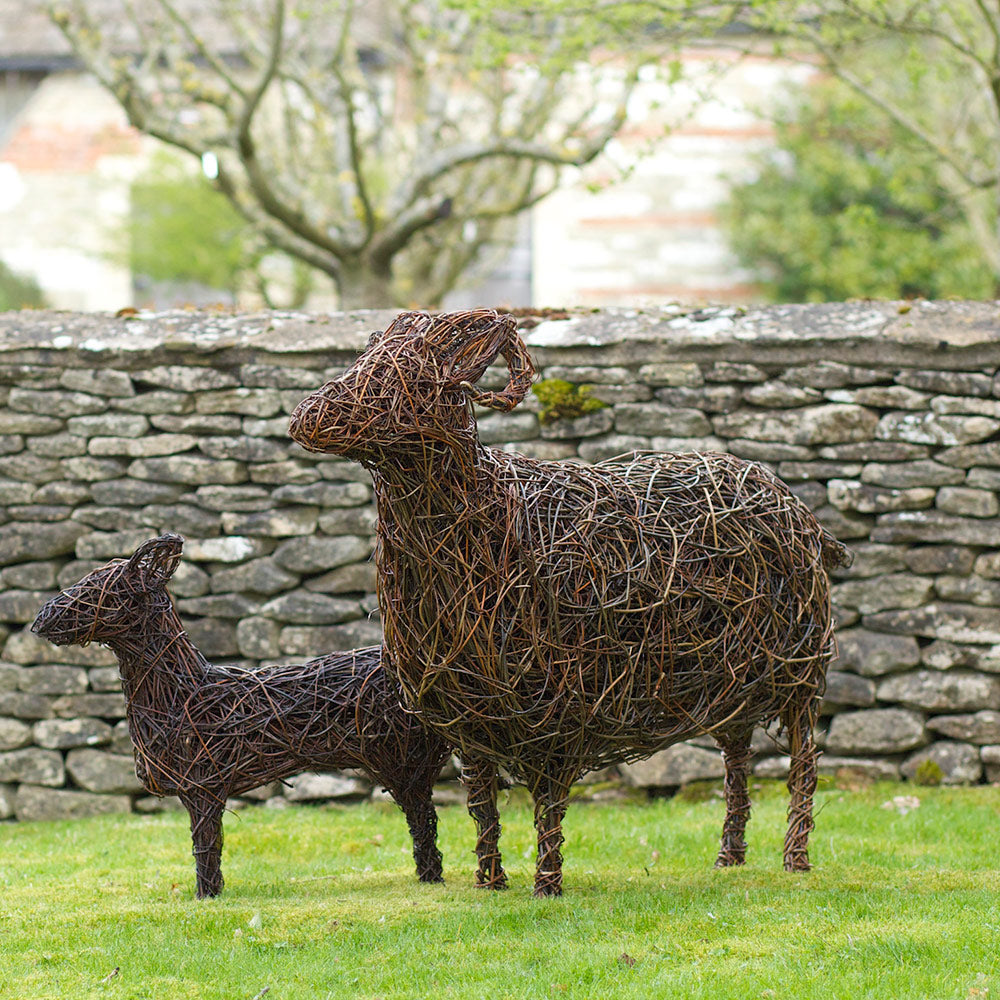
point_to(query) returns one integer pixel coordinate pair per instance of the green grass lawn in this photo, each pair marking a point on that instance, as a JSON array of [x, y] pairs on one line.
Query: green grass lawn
[[323, 903]]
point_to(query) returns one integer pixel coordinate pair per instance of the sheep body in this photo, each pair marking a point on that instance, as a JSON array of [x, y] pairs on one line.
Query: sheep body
[[205, 732], [553, 617]]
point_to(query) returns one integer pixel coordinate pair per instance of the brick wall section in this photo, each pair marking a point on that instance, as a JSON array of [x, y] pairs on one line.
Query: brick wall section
[[885, 418]]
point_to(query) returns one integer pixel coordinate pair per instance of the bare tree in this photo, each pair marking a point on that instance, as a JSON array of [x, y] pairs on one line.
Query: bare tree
[[382, 143]]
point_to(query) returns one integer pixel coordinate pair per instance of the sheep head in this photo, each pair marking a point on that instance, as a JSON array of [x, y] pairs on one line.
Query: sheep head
[[413, 386], [112, 600]]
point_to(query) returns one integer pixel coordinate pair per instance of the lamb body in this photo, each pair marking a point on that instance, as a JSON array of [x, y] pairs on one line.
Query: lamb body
[[205, 732]]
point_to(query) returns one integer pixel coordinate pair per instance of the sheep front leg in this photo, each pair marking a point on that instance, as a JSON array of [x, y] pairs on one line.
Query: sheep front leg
[[421, 818], [799, 722], [482, 786], [206, 841], [736, 754]]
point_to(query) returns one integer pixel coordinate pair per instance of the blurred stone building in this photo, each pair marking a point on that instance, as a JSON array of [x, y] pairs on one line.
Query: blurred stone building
[[637, 226]]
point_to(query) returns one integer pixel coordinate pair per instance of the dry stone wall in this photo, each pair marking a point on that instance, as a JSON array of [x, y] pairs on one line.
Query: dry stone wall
[[884, 418]]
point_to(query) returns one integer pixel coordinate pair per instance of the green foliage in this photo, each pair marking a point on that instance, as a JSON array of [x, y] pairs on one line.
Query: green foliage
[[847, 208], [182, 229], [18, 292], [561, 400], [928, 773], [322, 903]]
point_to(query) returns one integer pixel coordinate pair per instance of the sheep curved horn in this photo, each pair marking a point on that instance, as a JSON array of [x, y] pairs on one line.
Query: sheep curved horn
[[522, 371]]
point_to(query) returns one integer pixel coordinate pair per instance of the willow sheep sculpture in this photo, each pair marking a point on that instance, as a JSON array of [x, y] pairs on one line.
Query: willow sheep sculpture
[[205, 732], [554, 617]]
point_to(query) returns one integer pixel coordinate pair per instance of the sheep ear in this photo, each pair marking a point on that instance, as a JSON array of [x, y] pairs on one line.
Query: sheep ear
[[156, 561]]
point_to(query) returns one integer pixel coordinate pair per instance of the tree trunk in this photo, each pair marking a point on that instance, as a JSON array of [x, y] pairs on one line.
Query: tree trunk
[[361, 287]]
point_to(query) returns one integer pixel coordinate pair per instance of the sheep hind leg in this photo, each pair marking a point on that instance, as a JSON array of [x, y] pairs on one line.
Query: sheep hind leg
[[550, 808], [736, 753], [206, 842], [799, 721], [421, 820], [482, 784]]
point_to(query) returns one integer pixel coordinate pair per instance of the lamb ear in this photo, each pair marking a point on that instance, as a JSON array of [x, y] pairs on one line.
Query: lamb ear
[[156, 561]]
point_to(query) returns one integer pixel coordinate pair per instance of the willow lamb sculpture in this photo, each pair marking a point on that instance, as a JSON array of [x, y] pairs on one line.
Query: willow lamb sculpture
[[205, 732], [556, 618]]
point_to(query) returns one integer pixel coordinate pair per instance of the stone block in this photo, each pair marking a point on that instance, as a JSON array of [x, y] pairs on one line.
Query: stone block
[[937, 691], [131, 493], [14, 734], [969, 455], [27, 648], [848, 689], [189, 470], [147, 446], [671, 374], [499, 428], [316, 555], [318, 640], [876, 730], [303, 608], [14, 492], [188, 379], [956, 560], [21, 606], [182, 518], [121, 741], [707, 398], [66, 734], [243, 448], [873, 654], [324, 494], [291, 471], [234, 549], [600, 449], [32, 804], [968, 502], [285, 522], [198, 423], [105, 679], [940, 620], [312, 787], [258, 638], [98, 381], [733, 371], [977, 727], [357, 577], [779, 395], [30, 542], [903, 475], [954, 383], [872, 560], [960, 763], [258, 576], [102, 545], [675, 766], [51, 446], [647, 419], [32, 766], [966, 404], [882, 397], [43, 679], [843, 524], [972, 589], [10, 676], [988, 565], [28, 423], [941, 655], [25, 706], [851, 494], [100, 706], [589, 425], [157, 401], [32, 468], [110, 424], [99, 771], [242, 401], [935, 526], [830, 423], [983, 479], [92, 470], [685, 445], [59, 403], [898, 590], [214, 637], [39, 512], [218, 606], [867, 767], [935, 429], [234, 498]]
